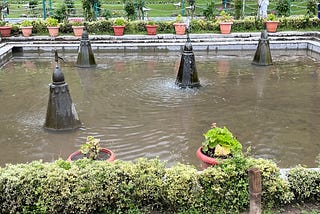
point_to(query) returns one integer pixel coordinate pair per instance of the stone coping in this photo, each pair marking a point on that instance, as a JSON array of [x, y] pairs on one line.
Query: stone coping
[[289, 40]]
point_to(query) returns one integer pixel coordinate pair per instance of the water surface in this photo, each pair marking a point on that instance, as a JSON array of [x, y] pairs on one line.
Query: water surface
[[131, 103]]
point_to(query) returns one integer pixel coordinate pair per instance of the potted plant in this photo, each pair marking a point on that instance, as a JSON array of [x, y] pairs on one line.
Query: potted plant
[[225, 22], [151, 27], [26, 28], [271, 23], [91, 149], [77, 27], [53, 26], [118, 26], [5, 29], [179, 25], [219, 144]]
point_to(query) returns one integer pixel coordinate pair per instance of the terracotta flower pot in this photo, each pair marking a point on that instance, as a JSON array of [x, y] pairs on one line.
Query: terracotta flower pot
[[272, 26], [26, 31], [5, 31], [77, 30], [152, 29], [225, 27], [104, 154], [180, 28], [53, 31], [206, 159], [118, 30]]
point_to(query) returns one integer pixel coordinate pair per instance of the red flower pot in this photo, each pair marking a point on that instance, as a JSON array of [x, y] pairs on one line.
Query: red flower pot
[[5, 31], [225, 27], [53, 31], [206, 159], [180, 28], [77, 30], [118, 30], [26, 31], [105, 154], [152, 29], [272, 26]]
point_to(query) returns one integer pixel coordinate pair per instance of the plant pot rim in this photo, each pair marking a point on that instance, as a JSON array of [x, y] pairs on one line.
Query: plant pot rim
[[77, 26], [272, 21], [205, 158], [225, 23], [105, 150], [179, 23]]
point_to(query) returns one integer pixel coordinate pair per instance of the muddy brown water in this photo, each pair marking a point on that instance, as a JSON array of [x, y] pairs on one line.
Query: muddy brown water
[[131, 103]]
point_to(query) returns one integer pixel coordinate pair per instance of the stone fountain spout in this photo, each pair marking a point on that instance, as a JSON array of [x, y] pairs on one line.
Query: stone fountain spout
[[263, 53], [85, 54], [187, 76], [61, 112]]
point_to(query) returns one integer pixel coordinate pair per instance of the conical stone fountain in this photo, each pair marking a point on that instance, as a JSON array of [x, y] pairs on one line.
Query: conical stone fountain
[[187, 76], [263, 53], [85, 57], [61, 112]]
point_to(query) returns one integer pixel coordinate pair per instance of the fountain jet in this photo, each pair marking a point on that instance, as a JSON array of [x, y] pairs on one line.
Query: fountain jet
[[263, 54], [187, 73], [61, 112], [85, 55]]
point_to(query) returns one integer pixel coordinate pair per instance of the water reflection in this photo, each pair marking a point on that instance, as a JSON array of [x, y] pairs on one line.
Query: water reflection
[[130, 101]]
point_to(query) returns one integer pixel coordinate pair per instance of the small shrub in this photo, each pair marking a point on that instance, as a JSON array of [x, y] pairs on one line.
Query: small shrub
[[312, 7], [209, 11], [52, 22], [283, 7], [26, 23], [304, 183]]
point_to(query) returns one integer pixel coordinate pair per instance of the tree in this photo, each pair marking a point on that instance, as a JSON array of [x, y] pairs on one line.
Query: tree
[[91, 9]]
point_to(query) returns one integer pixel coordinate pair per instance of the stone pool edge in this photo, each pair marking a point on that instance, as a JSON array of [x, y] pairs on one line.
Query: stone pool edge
[[290, 40]]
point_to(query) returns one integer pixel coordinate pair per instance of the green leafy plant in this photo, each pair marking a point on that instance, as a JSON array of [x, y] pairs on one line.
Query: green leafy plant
[[224, 16], [209, 10], [271, 17], [238, 4], [130, 9], [304, 183], [220, 142], [91, 148], [312, 7], [283, 7], [152, 23], [119, 21], [3, 23], [26, 23], [179, 19], [52, 22], [78, 23]]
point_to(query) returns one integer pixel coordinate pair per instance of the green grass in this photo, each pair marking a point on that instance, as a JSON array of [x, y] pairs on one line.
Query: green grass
[[163, 9]]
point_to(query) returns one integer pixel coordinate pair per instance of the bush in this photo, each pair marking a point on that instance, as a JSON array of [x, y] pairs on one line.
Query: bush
[[312, 7], [304, 183], [86, 186], [226, 185], [283, 7]]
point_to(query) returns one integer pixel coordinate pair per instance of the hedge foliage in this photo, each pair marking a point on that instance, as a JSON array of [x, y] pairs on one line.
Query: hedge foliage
[[143, 186], [197, 26]]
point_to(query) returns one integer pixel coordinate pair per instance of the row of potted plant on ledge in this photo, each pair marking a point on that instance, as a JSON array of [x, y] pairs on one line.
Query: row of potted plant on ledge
[[119, 24]]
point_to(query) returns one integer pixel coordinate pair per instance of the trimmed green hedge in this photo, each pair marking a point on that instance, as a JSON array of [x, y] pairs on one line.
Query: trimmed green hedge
[[88, 186], [248, 24]]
